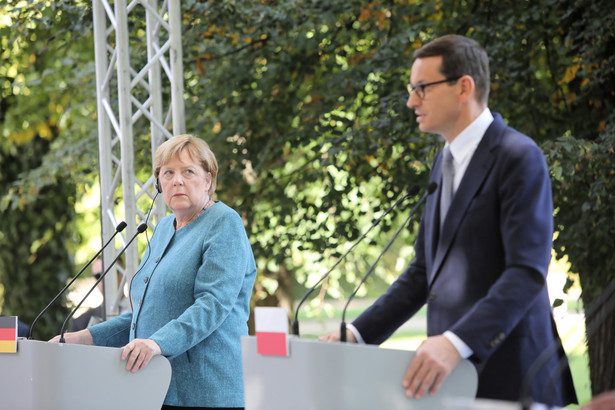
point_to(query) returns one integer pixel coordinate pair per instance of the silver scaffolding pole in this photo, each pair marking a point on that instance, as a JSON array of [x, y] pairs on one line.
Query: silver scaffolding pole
[[139, 97]]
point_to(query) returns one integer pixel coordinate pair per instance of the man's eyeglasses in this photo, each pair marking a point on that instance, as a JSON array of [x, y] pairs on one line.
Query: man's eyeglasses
[[420, 88]]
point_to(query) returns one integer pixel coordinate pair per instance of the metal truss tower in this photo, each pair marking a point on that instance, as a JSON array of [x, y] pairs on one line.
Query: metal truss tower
[[139, 88]]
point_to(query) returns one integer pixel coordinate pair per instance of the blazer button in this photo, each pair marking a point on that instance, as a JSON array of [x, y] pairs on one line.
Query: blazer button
[[146, 279], [498, 339], [157, 260], [133, 326], [432, 295]]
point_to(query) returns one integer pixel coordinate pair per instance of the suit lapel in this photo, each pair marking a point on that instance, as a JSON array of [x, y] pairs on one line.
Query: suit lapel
[[479, 167]]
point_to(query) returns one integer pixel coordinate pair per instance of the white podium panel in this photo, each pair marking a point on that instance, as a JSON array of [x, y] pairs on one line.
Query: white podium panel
[[54, 376], [337, 376]]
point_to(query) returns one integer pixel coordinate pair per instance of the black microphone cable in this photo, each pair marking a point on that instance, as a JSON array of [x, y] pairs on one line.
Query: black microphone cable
[[149, 212], [148, 249], [140, 230], [295, 325], [430, 189], [119, 228]]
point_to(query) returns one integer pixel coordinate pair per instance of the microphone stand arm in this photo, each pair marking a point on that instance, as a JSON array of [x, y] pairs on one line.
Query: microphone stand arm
[[371, 268]]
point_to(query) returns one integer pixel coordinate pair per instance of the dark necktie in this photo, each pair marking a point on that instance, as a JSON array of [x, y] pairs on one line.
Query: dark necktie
[[448, 175]]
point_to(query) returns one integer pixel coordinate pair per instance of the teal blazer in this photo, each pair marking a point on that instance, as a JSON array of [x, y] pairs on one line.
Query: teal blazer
[[191, 295]]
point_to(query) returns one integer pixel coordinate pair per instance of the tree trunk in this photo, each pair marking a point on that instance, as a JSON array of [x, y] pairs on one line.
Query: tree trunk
[[600, 331], [281, 297]]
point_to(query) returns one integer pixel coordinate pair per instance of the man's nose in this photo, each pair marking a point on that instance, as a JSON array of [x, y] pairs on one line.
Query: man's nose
[[412, 101]]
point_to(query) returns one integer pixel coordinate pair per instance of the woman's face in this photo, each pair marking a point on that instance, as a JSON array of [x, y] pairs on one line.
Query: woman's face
[[185, 185]]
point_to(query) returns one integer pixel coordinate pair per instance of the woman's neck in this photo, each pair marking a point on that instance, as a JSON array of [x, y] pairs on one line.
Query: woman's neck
[[180, 221]]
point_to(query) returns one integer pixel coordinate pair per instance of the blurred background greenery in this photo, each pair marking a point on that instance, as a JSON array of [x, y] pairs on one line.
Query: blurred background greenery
[[303, 103]]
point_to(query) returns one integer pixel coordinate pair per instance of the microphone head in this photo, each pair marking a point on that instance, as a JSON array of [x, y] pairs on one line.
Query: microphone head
[[413, 190], [120, 227], [141, 228], [431, 188]]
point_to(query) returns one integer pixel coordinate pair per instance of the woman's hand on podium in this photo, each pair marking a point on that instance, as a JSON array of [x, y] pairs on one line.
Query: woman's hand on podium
[[82, 337], [138, 353]]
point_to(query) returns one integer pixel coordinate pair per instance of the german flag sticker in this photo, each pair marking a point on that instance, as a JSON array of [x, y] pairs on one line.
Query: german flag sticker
[[8, 334]]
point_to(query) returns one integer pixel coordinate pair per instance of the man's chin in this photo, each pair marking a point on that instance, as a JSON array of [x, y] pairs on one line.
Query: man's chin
[[424, 128]]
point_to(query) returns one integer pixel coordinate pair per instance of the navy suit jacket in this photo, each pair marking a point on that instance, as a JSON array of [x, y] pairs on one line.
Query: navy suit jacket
[[483, 274]]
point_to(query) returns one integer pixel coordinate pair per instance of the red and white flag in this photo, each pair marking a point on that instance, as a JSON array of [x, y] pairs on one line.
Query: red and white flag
[[271, 325]]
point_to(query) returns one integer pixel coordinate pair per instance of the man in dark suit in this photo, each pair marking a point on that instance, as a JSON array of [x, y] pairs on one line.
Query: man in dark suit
[[483, 249]]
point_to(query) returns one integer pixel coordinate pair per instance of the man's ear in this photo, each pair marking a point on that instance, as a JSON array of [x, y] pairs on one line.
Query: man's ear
[[467, 88]]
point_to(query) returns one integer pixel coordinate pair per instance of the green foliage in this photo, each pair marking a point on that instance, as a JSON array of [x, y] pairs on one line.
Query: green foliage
[[583, 175], [43, 94], [303, 103], [584, 190], [35, 239], [582, 168]]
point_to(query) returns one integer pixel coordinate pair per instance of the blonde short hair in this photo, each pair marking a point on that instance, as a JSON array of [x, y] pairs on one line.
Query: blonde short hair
[[198, 150]]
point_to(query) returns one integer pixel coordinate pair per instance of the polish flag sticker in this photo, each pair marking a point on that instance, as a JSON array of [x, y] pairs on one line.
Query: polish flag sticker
[[271, 325]]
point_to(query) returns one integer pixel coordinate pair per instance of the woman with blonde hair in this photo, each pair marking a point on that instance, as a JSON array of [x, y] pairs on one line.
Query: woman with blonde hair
[[191, 293]]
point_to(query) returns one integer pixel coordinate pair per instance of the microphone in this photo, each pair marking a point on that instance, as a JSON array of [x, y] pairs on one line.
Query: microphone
[[140, 229], [595, 314], [413, 190], [119, 228], [430, 189]]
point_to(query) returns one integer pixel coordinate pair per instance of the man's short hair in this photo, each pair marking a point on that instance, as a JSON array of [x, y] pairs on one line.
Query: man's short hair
[[460, 56]]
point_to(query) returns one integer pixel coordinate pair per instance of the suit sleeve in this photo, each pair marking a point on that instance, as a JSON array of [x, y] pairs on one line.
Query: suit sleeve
[[400, 302], [113, 332]]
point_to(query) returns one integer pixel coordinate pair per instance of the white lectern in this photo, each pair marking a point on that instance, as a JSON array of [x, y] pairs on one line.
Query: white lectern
[[320, 376], [53, 376]]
